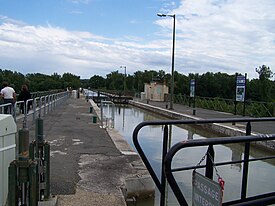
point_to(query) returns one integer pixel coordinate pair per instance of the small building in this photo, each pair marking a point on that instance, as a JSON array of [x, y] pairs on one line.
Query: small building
[[156, 91]]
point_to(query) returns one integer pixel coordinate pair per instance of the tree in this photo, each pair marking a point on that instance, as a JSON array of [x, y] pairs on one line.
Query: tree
[[264, 72], [71, 80], [265, 85], [115, 81], [97, 82]]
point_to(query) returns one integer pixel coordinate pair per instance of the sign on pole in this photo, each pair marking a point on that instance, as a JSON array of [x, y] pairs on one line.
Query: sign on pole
[[205, 191], [192, 88], [240, 88]]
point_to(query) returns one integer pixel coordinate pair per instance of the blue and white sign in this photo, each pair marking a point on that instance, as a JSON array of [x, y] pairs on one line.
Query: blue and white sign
[[240, 88], [192, 88]]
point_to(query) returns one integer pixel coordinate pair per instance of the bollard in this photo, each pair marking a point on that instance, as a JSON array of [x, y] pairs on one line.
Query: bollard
[[91, 109], [23, 144], [194, 112], [23, 175], [40, 151], [39, 129], [94, 119]]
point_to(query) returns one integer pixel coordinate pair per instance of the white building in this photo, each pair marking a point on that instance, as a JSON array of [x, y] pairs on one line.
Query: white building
[[156, 91]]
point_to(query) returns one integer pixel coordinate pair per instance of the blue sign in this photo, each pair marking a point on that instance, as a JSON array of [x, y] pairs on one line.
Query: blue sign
[[240, 88], [192, 88]]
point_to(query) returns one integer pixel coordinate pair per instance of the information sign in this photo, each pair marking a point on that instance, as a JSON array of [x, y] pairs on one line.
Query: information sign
[[206, 192], [240, 88], [192, 88]]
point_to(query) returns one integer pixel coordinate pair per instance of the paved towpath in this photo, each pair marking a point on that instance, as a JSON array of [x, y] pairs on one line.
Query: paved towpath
[[259, 127], [86, 167]]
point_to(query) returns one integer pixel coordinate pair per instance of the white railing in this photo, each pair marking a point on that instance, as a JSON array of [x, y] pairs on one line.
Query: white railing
[[40, 107]]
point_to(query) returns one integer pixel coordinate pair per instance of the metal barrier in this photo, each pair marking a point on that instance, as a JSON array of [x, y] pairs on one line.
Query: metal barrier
[[39, 150], [29, 174], [167, 156], [47, 103], [112, 119], [39, 104]]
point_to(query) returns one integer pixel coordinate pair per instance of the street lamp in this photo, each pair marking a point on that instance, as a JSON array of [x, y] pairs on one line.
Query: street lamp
[[124, 87], [173, 56]]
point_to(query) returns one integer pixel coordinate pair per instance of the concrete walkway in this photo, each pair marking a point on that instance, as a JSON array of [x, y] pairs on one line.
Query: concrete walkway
[[257, 127], [86, 166]]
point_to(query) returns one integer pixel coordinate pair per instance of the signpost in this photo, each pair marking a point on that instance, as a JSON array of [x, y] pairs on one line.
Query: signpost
[[240, 88], [240, 91], [192, 88], [192, 93], [205, 191]]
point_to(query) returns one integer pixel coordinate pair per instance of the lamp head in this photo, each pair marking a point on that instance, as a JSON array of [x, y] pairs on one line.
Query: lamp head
[[161, 15]]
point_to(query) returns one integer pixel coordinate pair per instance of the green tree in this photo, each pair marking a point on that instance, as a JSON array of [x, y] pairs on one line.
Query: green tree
[[115, 81], [71, 80], [265, 84], [97, 82]]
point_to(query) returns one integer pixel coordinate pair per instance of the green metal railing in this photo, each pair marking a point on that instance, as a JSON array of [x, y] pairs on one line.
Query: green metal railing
[[252, 108]]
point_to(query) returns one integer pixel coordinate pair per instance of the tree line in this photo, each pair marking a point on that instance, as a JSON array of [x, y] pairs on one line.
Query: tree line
[[39, 82], [208, 84]]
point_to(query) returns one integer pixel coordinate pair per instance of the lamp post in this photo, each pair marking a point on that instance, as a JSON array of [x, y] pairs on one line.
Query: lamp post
[[173, 56], [124, 85]]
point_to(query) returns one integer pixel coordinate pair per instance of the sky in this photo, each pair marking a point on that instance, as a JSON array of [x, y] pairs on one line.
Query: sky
[[97, 37]]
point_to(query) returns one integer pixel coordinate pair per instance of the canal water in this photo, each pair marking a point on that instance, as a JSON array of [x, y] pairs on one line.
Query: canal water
[[150, 137]]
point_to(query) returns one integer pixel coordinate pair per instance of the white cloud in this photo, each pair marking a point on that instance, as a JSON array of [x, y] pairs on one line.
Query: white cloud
[[226, 35], [50, 49], [80, 1]]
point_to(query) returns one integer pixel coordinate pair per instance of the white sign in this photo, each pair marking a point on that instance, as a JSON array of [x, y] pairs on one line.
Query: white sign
[[206, 192]]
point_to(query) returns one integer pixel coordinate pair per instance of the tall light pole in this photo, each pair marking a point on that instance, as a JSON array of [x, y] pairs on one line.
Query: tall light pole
[[124, 87], [173, 56]]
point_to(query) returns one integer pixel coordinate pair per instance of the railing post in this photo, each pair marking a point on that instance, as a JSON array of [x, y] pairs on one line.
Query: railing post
[[248, 129], [101, 113], [45, 105], [40, 106], [210, 162], [164, 152], [246, 163], [34, 109]]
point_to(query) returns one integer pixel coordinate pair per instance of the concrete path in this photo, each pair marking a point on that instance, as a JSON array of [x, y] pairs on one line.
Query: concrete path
[[86, 166], [258, 127]]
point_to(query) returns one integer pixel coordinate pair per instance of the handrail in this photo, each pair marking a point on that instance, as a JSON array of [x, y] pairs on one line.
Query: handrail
[[113, 112], [161, 184], [38, 103], [206, 142]]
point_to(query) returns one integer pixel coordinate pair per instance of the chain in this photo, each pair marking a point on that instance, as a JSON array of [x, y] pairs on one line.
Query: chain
[[203, 158], [221, 181]]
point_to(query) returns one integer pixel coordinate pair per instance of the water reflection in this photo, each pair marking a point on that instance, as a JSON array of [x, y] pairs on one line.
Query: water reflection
[[150, 138]]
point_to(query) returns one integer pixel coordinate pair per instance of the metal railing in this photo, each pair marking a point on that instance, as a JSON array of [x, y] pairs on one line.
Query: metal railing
[[106, 119], [40, 106], [252, 108], [168, 156]]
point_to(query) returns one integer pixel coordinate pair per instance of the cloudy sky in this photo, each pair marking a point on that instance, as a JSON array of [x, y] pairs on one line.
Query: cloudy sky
[[96, 37]]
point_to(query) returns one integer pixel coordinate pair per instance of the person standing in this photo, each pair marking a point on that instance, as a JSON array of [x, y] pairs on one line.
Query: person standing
[[24, 96], [9, 96]]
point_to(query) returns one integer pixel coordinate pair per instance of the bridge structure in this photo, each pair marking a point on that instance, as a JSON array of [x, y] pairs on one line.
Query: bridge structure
[[98, 96]]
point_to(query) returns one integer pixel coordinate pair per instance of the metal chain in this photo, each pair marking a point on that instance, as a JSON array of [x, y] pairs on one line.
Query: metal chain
[[203, 158], [220, 180], [216, 170]]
